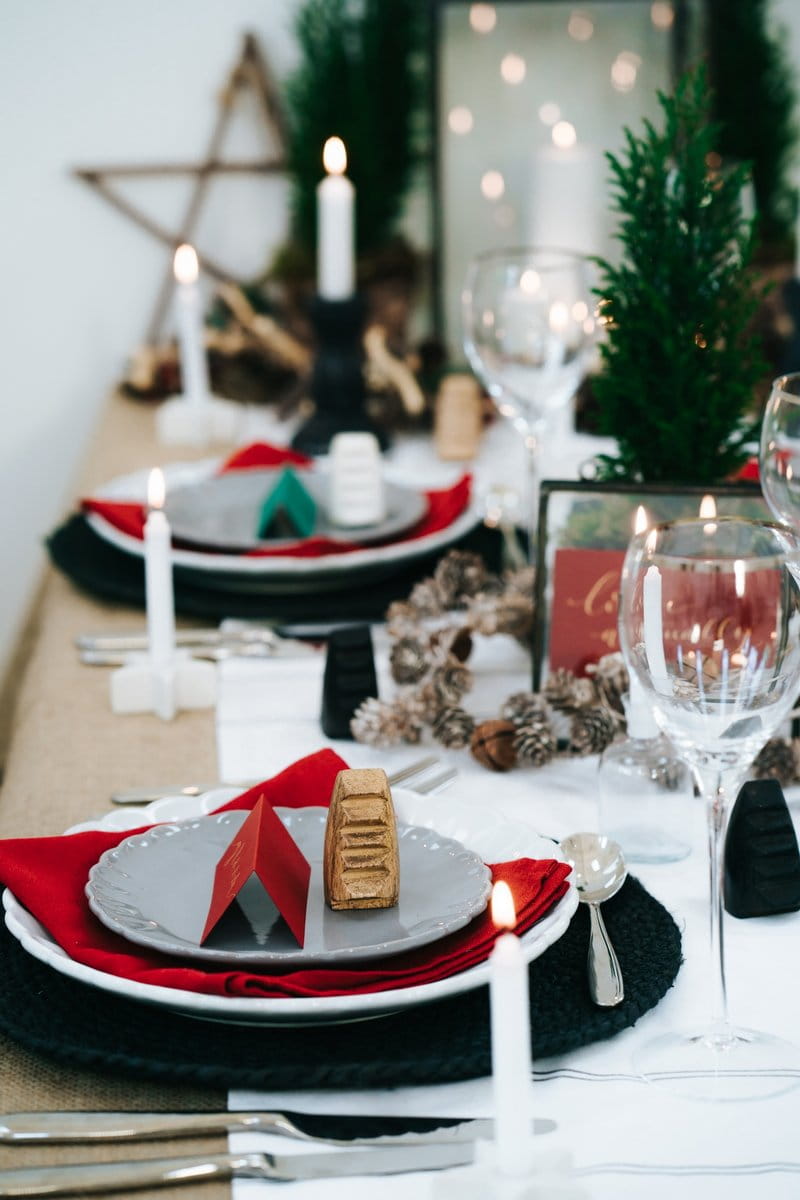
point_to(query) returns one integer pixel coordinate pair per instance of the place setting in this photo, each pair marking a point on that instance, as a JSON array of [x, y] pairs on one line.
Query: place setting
[[402, 750]]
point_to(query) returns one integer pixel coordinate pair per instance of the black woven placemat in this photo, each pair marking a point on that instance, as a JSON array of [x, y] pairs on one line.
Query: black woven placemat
[[103, 570], [430, 1043]]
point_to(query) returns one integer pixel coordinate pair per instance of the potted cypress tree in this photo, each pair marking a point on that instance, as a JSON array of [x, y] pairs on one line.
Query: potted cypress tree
[[680, 362]]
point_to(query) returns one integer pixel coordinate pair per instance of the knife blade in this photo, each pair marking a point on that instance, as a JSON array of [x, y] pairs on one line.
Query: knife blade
[[127, 1176], [333, 1129], [183, 637]]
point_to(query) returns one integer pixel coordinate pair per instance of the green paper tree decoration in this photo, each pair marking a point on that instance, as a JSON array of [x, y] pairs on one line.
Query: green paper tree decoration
[[360, 77], [680, 364]]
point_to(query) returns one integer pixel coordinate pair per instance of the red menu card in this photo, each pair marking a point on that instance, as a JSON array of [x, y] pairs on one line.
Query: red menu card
[[583, 621], [265, 848]]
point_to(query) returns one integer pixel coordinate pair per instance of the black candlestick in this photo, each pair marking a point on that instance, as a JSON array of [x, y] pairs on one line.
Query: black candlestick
[[337, 379]]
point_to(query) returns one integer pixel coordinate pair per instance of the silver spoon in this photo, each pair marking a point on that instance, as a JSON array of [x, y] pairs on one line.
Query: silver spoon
[[600, 871]]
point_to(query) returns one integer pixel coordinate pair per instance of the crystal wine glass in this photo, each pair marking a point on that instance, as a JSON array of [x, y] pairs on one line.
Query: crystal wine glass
[[779, 455], [710, 624], [527, 331]]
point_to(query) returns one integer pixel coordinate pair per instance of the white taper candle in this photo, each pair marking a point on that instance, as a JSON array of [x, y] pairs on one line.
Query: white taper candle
[[189, 315], [158, 575], [335, 226], [654, 629], [511, 1041]]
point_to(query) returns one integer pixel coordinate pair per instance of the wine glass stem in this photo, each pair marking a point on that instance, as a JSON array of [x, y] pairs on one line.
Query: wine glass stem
[[532, 440], [717, 785]]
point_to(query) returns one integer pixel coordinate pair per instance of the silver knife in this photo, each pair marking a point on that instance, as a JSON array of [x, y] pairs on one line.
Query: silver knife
[[347, 1130], [118, 658], [127, 1176], [183, 637]]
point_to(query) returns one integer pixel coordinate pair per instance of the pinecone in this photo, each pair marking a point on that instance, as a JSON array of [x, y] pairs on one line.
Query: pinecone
[[514, 615], [591, 731], [427, 702], [409, 718], [520, 581], [377, 723], [453, 727], [450, 681], [567, 692], [459, 574], [402, 619], [610, 676], [482, 613], [535, 743], [426, 598], [524, 708], [408, 660], [775, 760]]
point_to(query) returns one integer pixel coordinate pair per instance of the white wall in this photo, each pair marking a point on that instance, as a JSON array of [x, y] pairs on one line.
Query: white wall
[[92, 82]]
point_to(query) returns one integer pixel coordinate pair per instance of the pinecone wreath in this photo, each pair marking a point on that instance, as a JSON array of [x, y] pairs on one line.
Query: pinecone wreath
[[432, 634]]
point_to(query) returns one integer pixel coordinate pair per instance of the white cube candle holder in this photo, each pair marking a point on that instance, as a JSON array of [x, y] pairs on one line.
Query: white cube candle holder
[[143, 686], [551, 1178], [183, 421]]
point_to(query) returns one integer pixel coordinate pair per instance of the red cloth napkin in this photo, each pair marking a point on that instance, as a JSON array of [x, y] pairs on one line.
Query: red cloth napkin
[[443, 506], [48, 876], [749, 472]]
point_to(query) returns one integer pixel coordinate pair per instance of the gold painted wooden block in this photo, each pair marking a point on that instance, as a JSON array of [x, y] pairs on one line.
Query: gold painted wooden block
[[361, 867]]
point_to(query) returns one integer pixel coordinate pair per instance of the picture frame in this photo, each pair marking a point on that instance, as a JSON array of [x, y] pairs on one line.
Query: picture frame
[[583, 529]]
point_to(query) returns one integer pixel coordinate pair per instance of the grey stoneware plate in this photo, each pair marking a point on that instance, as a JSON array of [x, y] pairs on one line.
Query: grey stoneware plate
[[155, 889], [222, 512]]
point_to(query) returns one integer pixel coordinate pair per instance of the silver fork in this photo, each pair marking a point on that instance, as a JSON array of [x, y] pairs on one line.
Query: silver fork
[[146, 795]]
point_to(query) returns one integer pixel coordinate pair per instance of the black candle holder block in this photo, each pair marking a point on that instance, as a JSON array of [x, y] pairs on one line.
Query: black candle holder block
[[337, 378], [762, 861], [349, 678]]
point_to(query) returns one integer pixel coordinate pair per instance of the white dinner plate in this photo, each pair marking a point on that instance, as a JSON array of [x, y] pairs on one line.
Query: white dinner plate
[[155, 890], [485, 831], [222, 512], [262, 570]]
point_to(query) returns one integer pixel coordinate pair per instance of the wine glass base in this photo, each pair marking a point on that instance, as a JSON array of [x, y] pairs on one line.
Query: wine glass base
[[735, 1064]]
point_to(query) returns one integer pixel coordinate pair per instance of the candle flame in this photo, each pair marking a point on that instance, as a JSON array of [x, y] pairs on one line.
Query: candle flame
[[185, 264], [708, 507], [504, 915], [334, 156], [641, 520], [156, 488]]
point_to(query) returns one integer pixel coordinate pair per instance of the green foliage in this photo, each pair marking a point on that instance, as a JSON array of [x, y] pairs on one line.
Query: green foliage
[[754, 100], [679, 364], [359, 78]]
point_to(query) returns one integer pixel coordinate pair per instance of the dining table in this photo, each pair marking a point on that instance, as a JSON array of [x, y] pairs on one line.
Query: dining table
[[618, 1135]]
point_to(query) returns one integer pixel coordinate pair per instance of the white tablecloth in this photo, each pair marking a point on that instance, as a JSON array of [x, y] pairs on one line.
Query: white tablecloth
[[627, 1138]]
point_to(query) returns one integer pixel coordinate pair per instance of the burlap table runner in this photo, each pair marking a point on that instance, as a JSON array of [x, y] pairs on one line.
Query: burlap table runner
[[67, 752]]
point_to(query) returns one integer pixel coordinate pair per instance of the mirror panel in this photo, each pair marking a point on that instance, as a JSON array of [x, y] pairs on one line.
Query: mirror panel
[[530, 94]]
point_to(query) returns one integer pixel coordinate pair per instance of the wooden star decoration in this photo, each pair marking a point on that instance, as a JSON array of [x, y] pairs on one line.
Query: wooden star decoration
[[250, 71]]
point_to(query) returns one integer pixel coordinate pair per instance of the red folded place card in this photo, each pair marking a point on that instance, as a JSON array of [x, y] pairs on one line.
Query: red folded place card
[[263, 847]]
